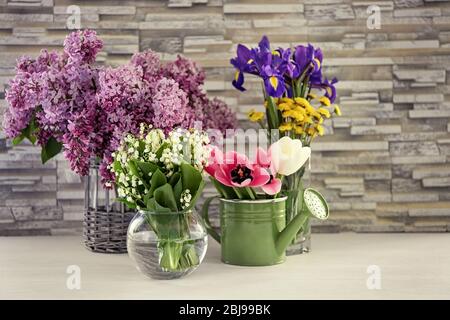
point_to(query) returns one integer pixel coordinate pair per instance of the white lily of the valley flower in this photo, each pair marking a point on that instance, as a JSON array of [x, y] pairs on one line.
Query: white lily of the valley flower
[[288, 155]]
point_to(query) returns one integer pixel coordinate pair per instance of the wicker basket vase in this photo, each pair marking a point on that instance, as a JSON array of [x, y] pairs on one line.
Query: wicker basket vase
[[105, 221]]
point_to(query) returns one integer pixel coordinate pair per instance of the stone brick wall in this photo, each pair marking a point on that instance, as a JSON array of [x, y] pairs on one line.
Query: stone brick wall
[[385, 168]]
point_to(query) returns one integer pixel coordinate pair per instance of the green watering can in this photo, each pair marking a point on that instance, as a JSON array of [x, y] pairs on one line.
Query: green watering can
[[254, 232]]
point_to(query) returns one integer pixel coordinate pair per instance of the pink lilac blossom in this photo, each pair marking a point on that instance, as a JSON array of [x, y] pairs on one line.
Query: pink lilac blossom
[[89, 109], [169, 104], [82, 46], [186, 72], [59, 91], [218, 116], [150, 63]]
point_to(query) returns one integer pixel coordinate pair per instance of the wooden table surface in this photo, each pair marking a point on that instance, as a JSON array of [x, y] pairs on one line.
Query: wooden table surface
[[340, 266]]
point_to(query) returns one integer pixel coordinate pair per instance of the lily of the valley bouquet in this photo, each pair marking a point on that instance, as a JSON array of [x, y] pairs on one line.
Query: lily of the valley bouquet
[[161, 175], [297, 99]]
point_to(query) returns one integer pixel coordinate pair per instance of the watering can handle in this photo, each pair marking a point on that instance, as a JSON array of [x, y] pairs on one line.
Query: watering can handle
[[205, 216]]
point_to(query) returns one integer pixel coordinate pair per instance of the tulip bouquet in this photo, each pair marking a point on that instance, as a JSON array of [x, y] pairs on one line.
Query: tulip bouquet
[[297, 100], [236, 177]]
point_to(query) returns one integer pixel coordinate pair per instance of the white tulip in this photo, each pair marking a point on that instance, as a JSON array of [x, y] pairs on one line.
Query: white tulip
[[288, 155]]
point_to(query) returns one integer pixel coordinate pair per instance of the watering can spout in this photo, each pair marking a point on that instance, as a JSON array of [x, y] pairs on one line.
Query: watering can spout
[[286, 236], [314, 205]]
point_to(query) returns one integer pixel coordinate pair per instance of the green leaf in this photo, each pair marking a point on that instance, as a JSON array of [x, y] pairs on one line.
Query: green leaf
[[177, 191], [129, 204], [117, 166], [141, 147], [51, 149], [147, 167], [150, 203], [174, 179], [225, 191], [272, 114], [161, 149], [132, 167], [165, 198], [158, 179], [18, 139], [31, 130], [196, 196], [190, 177]]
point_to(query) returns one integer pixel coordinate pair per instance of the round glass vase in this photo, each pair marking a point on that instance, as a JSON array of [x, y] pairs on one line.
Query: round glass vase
[[167, 245]]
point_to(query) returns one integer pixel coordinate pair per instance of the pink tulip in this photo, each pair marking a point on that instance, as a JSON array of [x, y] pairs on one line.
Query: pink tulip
[[235, 170], [273, 186]]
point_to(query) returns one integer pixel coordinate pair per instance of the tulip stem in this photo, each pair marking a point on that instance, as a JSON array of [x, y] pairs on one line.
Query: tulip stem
[[238, 192], [251, 193]]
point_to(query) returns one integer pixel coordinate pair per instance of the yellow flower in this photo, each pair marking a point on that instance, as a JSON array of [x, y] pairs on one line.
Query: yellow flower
[[312, 96], [298, 129], [285, 126], [325, 101], [284, 106], [337, 110], [300, 110], [302, 102], [287, 114], [298, 116], [311, 131], [308, 119], [320, 130], [255, 116], [310, 109], [324, 112], [316, 115], [287, 100]]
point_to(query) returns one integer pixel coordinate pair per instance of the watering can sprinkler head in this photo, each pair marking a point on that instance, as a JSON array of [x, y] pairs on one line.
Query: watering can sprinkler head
[[314, 204]]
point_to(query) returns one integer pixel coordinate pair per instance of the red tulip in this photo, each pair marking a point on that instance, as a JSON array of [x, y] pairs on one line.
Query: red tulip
[[235, 170]]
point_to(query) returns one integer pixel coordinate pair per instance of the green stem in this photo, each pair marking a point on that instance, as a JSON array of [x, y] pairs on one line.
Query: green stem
[[251, 193], [238, 193]]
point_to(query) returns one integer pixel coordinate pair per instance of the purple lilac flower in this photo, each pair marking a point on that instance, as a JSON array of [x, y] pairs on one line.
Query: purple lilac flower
[[150, 63], [219, 116], [89, 110], [169, 104], [186, 72], [82, 46]]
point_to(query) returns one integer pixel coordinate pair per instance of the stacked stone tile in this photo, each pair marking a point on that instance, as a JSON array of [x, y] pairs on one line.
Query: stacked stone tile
[[385, 168]]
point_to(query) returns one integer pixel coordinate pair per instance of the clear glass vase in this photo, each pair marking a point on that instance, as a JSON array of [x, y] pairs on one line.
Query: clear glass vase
[[294, 190], [167, 245]]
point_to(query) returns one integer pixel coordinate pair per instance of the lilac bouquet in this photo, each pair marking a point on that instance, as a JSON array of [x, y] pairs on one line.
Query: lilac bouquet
[[297, 99], [63, 102], [52, 100]]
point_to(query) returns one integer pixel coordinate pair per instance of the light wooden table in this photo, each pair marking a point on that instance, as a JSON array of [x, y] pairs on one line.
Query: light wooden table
[[413, 266]]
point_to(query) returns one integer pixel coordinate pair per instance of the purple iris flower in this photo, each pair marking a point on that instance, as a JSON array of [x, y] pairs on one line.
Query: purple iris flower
[[264, 44], [273, 82], [329, 88], [244, 62], [310, 60]]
